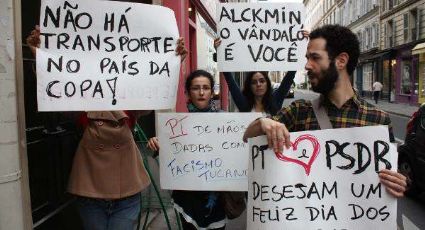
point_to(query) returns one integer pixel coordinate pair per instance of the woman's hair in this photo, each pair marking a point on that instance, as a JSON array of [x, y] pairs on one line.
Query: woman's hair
[[195, 74], [249, 95]]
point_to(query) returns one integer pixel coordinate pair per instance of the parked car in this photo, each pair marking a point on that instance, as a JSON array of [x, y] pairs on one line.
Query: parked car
[[411, 160]]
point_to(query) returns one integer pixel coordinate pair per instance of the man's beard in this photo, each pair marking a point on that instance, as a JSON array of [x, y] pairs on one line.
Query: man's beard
[[327, 81]]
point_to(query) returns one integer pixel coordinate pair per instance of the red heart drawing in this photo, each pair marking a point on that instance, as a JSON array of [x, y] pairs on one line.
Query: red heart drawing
[[316, 150]]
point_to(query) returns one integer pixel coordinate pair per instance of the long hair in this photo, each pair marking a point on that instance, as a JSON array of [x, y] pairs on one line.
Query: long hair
[[267, 98]]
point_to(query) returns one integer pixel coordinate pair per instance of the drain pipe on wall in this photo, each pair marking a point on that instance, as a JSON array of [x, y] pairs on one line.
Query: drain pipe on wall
[[15, 207]]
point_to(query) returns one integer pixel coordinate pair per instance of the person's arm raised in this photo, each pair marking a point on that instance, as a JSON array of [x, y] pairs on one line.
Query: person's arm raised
[[181, 49], [282, 91], [240, 101]]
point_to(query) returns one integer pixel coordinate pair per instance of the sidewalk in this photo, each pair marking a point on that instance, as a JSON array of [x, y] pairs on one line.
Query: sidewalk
[[400, 109], [395, 108]]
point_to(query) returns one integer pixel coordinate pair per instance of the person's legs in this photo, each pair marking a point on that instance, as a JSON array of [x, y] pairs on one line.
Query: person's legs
[[93, 213], [375, 96], [125, 213]]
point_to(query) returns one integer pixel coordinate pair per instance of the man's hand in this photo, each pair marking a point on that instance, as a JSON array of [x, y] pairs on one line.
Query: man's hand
[[394, 182], [276, 133]]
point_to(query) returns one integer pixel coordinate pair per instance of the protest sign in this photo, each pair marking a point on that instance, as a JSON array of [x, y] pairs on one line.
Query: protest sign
[[327, 180], [105, 55], [204, 151], [261, 37]]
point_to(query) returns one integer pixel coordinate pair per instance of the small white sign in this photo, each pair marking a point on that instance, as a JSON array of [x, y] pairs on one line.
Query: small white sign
[[204, 151], [261, 37]]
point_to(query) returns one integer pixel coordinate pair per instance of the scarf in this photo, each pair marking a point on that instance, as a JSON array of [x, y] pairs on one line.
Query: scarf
[[193, 109]]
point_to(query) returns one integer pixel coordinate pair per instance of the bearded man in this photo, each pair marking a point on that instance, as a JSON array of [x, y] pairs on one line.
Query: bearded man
[[332, 55]]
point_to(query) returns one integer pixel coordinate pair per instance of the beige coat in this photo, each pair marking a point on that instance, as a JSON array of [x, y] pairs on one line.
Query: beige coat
[[107, 164]]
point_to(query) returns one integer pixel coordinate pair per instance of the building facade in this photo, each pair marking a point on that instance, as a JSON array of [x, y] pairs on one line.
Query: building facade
[[391, 35], [403, 28]]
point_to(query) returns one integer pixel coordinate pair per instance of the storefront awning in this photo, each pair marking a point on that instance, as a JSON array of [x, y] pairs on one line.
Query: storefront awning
[[419, 48], [371, 57]]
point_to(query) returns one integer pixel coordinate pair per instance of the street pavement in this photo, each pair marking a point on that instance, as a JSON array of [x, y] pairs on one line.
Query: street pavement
[[410, 213], [390, 107]]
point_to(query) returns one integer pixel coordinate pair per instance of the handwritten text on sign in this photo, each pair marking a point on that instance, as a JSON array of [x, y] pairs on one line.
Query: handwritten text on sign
[[204, 151], [103, 55], [327, 180], [261, 36]]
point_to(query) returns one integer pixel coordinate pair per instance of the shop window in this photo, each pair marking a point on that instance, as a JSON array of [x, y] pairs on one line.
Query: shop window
[[367, 77], [422, 78], [386, 77], [406, 79], [416, 78]]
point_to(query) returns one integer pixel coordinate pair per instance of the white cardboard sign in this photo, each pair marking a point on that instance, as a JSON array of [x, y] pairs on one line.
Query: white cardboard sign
[[261, 37], [326, 180], [105, 55], [204, 151]]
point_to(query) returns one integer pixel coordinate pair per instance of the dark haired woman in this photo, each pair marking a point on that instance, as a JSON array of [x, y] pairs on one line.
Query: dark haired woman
[[198, 209], [257, 94]]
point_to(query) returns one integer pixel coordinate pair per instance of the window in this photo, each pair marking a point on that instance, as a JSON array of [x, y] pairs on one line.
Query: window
[[390, 34], [406, 27], [369, 38], [367, 76], [422, 78], [390, 4], [366, 39], [375, 34], [359, 36], [406, 80], [414, 25]]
